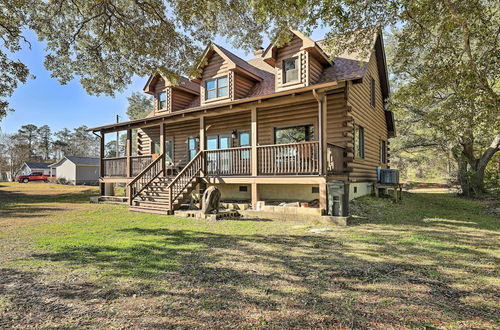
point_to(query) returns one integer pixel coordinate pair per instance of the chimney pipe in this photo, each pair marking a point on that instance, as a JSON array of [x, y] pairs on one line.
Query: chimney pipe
[[258, 52]]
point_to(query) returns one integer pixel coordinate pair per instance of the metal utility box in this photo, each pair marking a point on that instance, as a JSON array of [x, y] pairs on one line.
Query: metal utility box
[[388, 176], [338, 198]]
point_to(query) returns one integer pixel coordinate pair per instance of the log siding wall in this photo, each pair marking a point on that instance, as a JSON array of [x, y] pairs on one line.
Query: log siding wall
[[371, 119]]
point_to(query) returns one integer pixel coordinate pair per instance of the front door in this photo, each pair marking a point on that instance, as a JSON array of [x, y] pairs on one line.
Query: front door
[[169, 151], [192, 147]]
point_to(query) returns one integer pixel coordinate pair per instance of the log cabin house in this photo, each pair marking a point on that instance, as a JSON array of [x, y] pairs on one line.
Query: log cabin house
[[282, 126]]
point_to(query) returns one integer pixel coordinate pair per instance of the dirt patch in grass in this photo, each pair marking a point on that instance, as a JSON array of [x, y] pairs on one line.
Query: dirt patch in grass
[[431, 262]]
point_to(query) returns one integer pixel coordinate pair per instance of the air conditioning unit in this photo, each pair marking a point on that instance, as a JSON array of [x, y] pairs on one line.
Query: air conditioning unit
[[387, 176]]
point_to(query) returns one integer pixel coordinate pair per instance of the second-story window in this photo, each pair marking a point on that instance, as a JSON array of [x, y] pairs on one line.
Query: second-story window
[[215, 88], [383, 151], [359, 142], [290, 70], [162, 100], [372, 92]]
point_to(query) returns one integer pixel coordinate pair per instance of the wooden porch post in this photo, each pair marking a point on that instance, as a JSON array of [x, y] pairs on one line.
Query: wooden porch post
[[101, 163], [128, 149], [162, 147], [324, 145], [321, 133], [255, 195], [323, 202], [202, 143], [253, 136]]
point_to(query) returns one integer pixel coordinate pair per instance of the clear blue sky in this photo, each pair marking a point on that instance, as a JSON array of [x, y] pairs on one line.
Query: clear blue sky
[[44, 101]]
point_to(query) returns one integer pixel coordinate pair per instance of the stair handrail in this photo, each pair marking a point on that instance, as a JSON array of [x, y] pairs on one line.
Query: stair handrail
[[145, 180], [197, 160]]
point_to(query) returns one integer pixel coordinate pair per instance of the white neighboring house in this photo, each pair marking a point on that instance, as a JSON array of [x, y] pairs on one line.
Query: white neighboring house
[[30, 167], [78, 170], [5, 176]]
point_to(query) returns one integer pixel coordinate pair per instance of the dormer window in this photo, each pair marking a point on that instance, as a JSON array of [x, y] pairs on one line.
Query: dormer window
[[290, 70], [215, 88], [162, 100]]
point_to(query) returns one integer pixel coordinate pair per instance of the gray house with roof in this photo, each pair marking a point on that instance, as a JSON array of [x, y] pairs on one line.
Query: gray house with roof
[[78, 170]]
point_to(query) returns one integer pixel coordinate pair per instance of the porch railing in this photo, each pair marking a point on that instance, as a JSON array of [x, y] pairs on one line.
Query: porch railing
[[286, 159], [145, 177], [116, 166], [139, 163], [233, 161], [180, 183], [280, 159], [335, 159]]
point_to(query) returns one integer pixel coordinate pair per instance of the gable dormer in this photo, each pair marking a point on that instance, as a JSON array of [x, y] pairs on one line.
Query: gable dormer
[[224, 76], [169, 97], [298, 63]]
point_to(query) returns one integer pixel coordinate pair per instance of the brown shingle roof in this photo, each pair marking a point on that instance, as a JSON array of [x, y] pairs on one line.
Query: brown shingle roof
[[186, 83], [345, 67], [242, 63]]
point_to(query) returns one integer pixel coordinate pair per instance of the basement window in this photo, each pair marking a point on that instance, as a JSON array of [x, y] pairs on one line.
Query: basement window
[[290, 70], [215, 88], [243, 188], [315, 190]]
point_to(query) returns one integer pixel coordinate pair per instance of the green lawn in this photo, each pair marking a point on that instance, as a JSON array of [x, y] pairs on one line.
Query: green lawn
[[430, 262]]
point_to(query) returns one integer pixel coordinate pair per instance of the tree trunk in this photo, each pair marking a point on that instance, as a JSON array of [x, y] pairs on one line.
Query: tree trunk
[[471, 170]]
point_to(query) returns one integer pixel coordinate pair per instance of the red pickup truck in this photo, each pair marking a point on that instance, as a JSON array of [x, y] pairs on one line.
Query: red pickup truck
[[35, 176]]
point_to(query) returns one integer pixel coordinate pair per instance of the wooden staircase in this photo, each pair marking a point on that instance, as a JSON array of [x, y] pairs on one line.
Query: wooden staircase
[[152, 193]]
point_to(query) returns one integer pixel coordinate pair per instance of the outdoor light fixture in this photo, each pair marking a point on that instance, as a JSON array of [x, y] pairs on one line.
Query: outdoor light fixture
[[233, 134]]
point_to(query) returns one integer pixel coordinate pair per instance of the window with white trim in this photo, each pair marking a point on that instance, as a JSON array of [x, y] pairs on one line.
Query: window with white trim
[[162, 100], [290, 70], [215, 88]]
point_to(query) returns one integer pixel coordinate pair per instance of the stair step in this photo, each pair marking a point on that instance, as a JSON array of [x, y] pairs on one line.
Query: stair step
[[154, 198], [151, 203], [157, 187], [158, 184], [144, 209], [153, 195]]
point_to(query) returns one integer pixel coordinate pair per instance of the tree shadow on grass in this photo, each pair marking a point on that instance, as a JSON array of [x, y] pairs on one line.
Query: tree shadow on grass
[[425, 210], [22, 205], [291, 280]]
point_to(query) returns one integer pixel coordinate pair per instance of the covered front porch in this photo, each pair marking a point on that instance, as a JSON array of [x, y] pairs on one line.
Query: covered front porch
[[226, 150]]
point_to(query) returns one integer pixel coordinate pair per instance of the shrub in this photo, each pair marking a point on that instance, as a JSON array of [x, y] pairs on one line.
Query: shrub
[[62, 181]]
